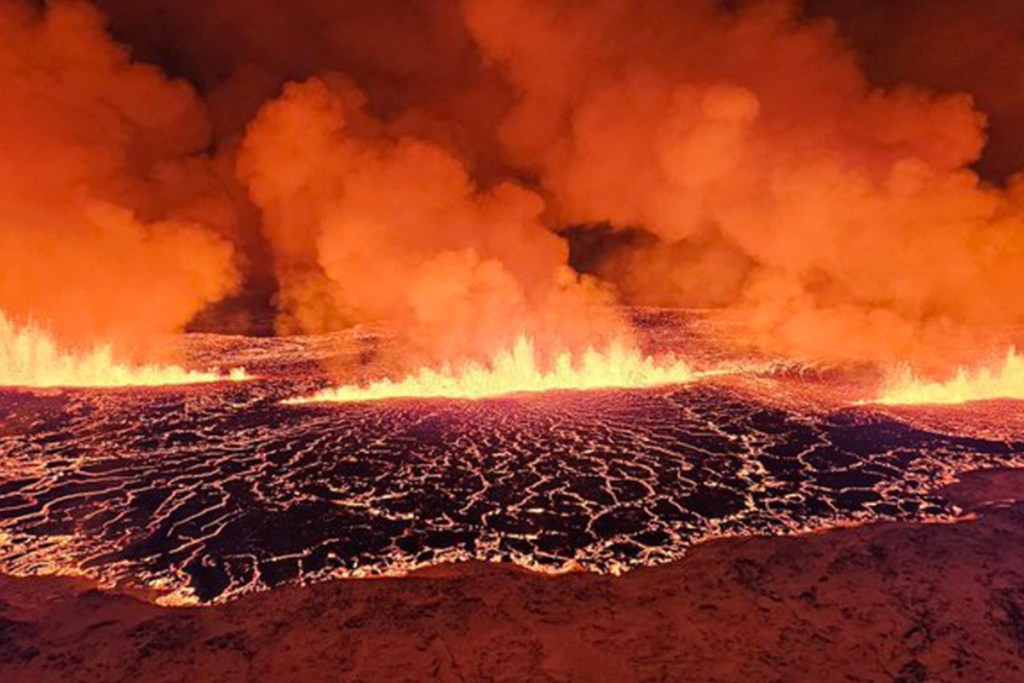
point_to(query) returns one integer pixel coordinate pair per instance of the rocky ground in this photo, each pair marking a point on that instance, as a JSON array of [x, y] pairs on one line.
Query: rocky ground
[[883, 602]]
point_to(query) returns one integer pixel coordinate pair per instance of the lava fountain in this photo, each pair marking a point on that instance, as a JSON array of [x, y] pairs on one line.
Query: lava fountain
[[1005, 381], [519, 370], [29, 357]]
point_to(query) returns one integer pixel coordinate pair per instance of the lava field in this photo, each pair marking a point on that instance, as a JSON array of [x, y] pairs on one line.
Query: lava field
[[201, 493]]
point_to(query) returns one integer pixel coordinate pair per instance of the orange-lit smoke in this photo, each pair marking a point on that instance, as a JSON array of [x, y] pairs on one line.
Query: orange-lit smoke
[[414, 59], [837, 218], [973, 47], [367, 224], [412, 160], [108, 217]]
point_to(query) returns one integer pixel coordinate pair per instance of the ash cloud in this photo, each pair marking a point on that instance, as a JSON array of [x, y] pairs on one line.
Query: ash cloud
[[369, 224], [817, 173], [112, 224], [973, 47], [834, 217]]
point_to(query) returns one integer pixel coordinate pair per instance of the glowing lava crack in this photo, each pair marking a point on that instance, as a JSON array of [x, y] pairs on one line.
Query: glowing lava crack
[[519, 371]]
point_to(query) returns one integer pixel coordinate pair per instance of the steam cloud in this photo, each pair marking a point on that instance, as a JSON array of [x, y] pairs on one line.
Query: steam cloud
[[412, 161], [837, 218], [366, 224], [111, 226]]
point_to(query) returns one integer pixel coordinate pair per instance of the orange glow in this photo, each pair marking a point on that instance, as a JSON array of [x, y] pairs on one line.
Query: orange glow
[[29, 357], [519, 371], [1005, 381]]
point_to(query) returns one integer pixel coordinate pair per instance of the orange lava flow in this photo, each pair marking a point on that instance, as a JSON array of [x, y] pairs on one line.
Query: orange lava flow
[[1004, 381], [518, 371], [29, 357]]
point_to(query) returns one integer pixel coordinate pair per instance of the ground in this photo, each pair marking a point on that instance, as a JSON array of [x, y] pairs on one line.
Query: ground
[[890, 601]]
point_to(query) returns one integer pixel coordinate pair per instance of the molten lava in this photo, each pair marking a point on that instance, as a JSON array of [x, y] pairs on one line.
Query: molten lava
[[520, 371], [29, 357], [1005, 381]]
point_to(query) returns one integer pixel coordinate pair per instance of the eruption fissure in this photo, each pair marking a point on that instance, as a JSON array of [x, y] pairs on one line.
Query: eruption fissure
[[1001, 381], [30, 358], [520, 370]]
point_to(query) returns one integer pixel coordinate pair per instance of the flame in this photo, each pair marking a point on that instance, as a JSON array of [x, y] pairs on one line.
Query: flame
[[519, 371], [1007, 381], [29, 357]]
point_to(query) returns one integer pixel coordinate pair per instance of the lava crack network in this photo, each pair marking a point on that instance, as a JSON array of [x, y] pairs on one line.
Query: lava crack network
[[518, 371], [29, 357]]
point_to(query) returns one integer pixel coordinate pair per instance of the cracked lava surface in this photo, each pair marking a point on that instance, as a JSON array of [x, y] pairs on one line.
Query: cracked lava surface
[[202, 493]]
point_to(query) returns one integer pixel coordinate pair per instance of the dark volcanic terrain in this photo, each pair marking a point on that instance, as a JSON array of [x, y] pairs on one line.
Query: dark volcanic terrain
[[204, 493], [887, 602], [764, 526]]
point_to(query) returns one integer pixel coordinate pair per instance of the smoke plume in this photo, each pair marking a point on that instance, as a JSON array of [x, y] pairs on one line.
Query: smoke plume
[[367, 224], [973, 47], [810, 172], [111, 226], [834, 217]]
